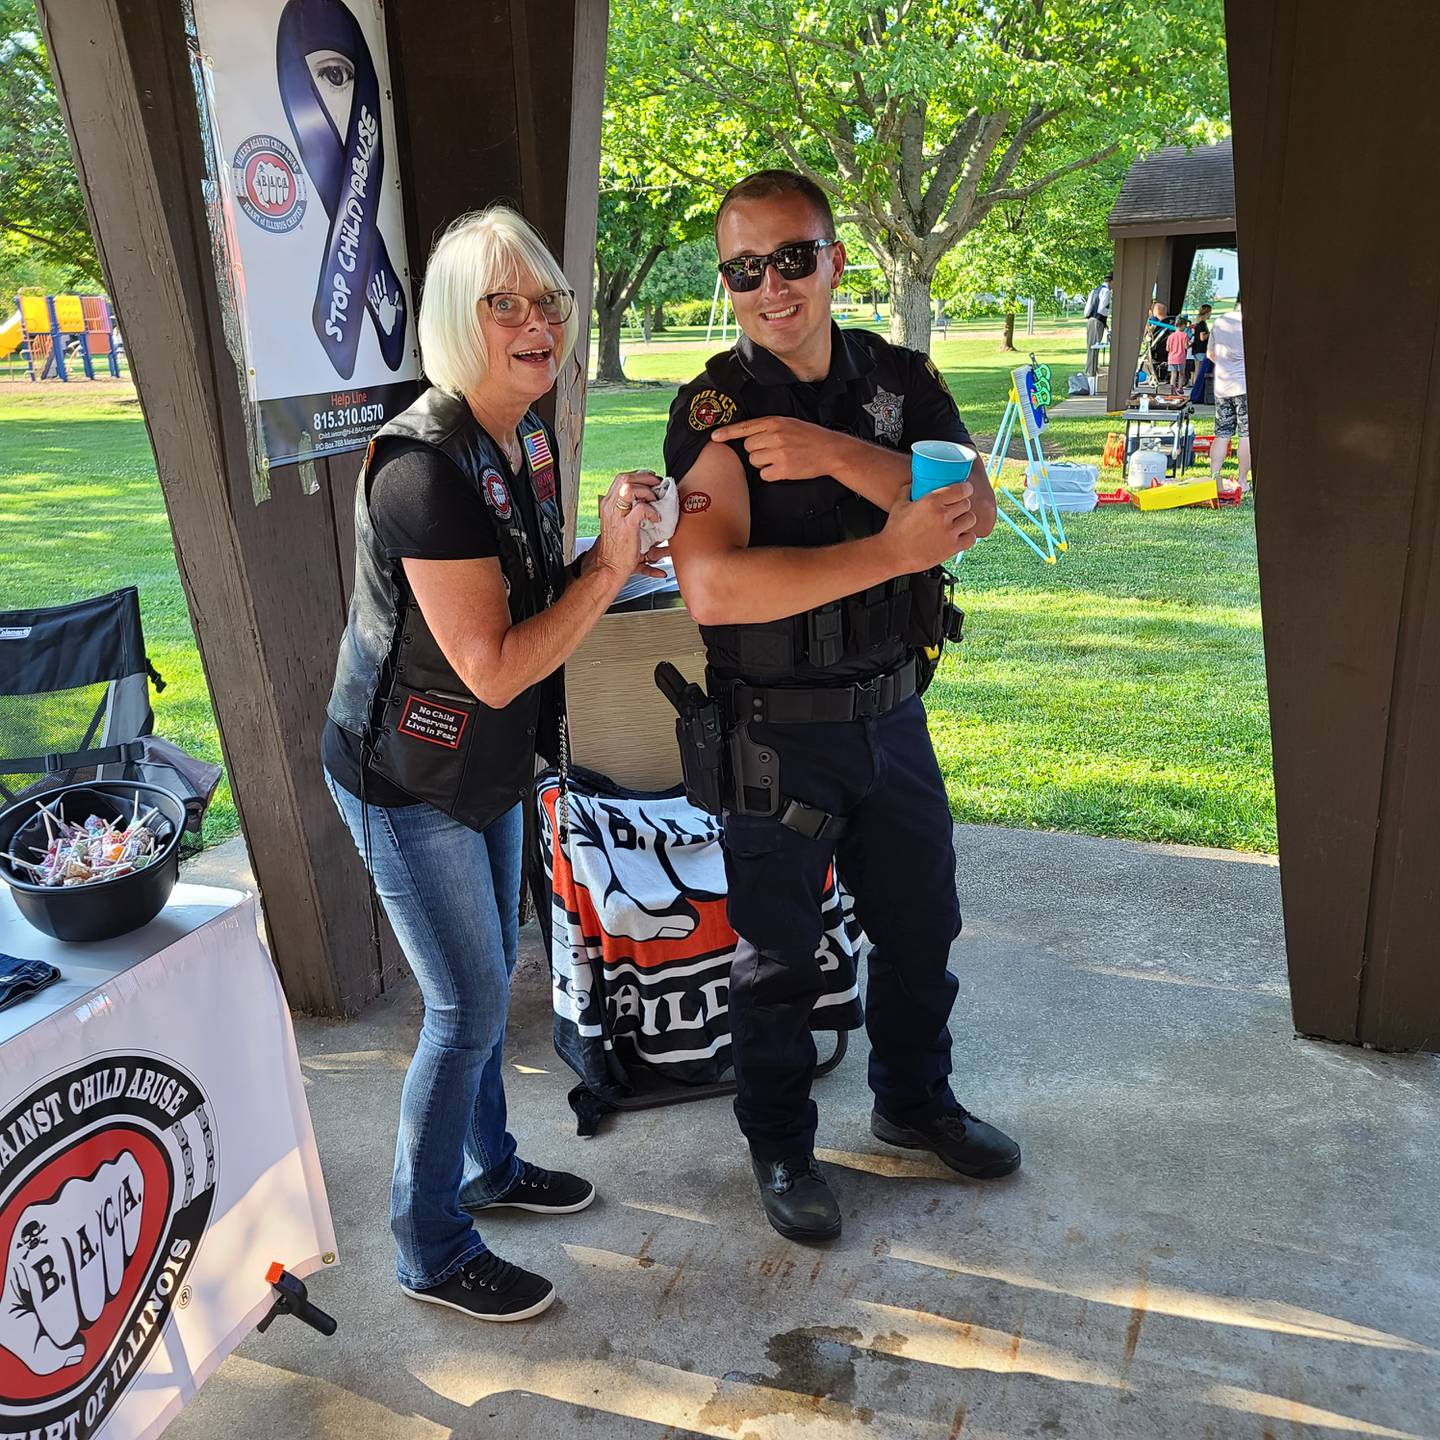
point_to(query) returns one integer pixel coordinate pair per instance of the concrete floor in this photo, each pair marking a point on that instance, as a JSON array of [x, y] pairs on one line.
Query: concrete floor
[[1219, 1230]]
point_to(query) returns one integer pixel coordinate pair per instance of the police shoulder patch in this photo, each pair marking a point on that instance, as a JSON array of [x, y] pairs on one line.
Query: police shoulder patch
[[710, 408], [936, 376]]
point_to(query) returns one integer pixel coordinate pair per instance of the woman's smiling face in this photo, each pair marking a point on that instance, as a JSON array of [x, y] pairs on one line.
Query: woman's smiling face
[[521, 357]]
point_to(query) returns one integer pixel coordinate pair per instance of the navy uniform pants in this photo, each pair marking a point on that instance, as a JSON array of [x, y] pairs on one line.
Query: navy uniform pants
[[898, 861]]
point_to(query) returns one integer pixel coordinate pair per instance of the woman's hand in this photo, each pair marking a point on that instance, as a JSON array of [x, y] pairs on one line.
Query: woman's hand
[[622, 507]]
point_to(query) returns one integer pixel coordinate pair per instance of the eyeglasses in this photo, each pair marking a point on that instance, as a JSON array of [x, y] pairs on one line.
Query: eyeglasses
[[512, 310], [791, 262]]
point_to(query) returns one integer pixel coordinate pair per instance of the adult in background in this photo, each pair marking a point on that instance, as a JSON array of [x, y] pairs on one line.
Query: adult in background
[[813, 579], [1158, 331], [447, 684], [1200, 348], [1232, 409], [1097, 321]]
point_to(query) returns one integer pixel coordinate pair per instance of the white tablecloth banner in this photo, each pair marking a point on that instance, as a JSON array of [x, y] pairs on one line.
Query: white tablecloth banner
[[156, 1156]]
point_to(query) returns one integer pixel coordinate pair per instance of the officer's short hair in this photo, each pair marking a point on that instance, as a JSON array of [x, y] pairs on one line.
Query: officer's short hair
[[766, 184], [480, 253]]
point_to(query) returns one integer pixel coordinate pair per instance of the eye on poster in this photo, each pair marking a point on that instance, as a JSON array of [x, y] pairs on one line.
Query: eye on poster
[[301, 111]]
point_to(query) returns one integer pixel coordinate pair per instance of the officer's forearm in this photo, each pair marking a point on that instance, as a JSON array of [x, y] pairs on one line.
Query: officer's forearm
[[879, 474], [982, 501], [750, 586]]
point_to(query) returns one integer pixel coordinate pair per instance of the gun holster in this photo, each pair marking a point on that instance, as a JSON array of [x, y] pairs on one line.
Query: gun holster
[[725, 768], [700, 731]]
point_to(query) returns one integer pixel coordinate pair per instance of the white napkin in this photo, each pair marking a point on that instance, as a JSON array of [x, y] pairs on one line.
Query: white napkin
[[667, 502]]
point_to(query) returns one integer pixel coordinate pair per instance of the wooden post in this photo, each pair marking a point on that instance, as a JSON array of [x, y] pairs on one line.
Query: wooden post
[[267, 584], [1341, 305], [1139, 260]]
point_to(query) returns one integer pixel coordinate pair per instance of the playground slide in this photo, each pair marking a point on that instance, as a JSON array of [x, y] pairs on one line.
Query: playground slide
[[11, 334]]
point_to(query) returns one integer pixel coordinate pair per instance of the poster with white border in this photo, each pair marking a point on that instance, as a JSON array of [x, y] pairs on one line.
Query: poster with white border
[[304, 123]]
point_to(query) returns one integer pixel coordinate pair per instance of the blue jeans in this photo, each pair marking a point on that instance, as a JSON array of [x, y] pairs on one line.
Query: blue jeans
[[452, 895]]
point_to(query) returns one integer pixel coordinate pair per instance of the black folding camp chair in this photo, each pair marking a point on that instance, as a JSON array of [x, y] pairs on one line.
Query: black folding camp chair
[[75, 704]]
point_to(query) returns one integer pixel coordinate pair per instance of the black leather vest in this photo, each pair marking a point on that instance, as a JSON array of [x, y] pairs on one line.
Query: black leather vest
[[420, 726]]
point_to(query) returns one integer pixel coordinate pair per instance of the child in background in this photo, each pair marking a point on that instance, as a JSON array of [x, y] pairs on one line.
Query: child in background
[[1176, 349]]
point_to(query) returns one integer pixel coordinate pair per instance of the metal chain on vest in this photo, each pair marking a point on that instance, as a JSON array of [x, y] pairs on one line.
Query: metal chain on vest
[[562, 800]]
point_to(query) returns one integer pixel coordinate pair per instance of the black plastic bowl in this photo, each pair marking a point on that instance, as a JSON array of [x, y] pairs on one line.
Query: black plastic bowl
[[105, 908]]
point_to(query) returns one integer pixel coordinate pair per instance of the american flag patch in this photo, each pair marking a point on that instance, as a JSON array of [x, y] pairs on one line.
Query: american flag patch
[[537, 451]]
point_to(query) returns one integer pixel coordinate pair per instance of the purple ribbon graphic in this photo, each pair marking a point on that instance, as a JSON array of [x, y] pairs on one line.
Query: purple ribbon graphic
[[320, 53]]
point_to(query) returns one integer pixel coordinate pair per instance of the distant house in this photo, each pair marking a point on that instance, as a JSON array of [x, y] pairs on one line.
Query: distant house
[[1225, 266]]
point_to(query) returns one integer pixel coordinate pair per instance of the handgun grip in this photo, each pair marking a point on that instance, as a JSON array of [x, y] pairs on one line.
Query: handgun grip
[[672, 685]]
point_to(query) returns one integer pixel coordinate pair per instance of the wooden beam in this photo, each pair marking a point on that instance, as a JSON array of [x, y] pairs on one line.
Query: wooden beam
[[260, 582], [587, 104], [1345, 447], [1139, 262]]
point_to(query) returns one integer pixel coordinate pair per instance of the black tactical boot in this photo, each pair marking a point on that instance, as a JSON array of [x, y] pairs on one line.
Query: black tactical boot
[[967, 1145], [797, 1199]]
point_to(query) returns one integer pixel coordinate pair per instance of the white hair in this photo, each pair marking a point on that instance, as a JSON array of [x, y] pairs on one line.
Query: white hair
[[482, 252]]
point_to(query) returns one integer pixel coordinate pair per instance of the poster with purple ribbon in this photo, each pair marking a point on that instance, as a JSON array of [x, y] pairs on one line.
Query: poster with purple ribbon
[[304, 126]]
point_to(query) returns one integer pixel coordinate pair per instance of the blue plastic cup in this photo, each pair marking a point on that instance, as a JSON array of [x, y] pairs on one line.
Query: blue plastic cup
[[934, 463]]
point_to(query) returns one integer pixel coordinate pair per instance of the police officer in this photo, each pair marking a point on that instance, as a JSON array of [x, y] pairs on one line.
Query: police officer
[[815, 581]]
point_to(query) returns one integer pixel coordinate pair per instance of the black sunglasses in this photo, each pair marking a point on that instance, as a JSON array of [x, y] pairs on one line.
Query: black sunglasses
[[791, 262]]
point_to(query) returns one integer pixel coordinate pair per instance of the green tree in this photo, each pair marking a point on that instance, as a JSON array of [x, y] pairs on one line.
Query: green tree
[[684, 272], [919, 117], [1053, 240], [1201, 290], [42, 213], [633, 228]]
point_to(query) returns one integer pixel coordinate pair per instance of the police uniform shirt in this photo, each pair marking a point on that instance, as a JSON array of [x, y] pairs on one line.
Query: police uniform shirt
[[881, 393]]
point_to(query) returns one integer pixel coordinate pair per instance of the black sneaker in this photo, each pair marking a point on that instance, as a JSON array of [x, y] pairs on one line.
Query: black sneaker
[[797, 1200], [489, 1288], [547, 1192], [967, 1145]]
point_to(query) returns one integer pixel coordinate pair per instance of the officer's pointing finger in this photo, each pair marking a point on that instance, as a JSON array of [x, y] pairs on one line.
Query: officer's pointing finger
[[739, 430]]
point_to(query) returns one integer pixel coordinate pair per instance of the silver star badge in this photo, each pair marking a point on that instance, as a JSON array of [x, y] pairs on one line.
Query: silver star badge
[[885, 410]]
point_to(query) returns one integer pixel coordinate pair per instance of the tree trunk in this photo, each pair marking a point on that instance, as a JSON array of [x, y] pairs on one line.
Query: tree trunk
[[611, 318], [1008, 342], [910, 301], [657, 319]]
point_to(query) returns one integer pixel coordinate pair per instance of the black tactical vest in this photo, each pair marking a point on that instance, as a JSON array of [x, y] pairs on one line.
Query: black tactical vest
[[864, 634], [420, 726]]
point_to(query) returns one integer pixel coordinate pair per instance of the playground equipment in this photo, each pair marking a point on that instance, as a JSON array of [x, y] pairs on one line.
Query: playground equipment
[[1029, 395], [12, 333], [49, 325]]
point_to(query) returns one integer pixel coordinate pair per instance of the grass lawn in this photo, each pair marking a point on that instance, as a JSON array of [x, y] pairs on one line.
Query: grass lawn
[[1120, 692]]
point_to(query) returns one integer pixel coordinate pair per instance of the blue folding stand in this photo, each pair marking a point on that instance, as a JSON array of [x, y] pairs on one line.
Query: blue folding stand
[[1029, 394]]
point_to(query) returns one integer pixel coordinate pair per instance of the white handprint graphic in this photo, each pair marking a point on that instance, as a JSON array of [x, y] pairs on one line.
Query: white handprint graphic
[[386, 306], [67, 1261]]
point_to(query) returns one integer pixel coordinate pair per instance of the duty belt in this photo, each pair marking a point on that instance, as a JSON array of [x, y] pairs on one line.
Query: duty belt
[[821, 705]]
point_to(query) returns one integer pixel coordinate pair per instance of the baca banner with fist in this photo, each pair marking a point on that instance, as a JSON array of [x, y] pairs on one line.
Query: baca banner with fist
[[115, 1162], [156, 1156], [304, 135]]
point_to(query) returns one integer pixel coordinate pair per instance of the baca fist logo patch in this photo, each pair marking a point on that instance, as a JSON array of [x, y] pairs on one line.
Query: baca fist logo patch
[[710, 408], [107, 1180]]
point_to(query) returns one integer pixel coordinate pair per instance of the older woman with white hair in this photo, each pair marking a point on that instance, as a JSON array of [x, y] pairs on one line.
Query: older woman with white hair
[[446, 687]]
